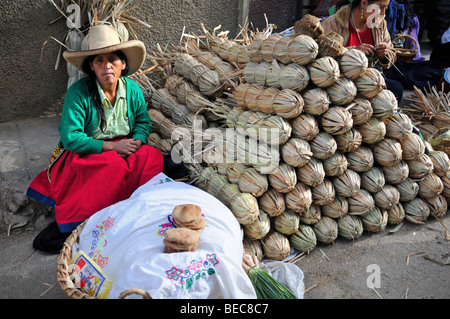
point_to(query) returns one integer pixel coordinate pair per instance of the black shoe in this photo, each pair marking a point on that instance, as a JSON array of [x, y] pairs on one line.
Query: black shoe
[[50, 240]]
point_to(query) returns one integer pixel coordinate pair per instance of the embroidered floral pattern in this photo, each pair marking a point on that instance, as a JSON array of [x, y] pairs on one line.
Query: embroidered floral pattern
[[99, 242], [195, 270]]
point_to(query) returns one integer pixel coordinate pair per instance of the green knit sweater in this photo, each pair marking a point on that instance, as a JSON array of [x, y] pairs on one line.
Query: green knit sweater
[[80, 118]]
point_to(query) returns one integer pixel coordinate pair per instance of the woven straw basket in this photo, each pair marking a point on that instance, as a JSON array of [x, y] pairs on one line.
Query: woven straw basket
[[63, 275], [406, 55]]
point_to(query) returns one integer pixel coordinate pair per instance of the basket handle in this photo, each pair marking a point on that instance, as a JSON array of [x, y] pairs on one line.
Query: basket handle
[[407, 36], [137, 291]]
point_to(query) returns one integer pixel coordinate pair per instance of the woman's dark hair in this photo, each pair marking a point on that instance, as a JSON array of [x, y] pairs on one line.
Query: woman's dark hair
[[355, 3], [92, 85]]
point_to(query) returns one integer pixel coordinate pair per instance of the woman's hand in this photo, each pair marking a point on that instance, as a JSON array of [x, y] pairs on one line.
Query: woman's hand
[[123, 147], [367, 49], [382, 50]]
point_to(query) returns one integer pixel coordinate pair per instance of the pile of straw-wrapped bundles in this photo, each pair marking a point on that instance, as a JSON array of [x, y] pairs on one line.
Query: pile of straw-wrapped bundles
[[344, 160]]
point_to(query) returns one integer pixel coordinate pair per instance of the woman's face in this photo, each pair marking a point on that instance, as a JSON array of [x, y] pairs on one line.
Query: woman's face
[[374, 11], [108, 68]]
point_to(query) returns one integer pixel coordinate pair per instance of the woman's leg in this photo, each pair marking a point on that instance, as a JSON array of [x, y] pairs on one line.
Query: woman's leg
[[395, 87]]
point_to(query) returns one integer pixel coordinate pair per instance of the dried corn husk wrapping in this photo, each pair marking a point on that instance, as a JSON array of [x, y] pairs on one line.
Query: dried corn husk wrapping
[[387, 152], [272, 202], [324, 71], [360, 203], [361, 159], [336, 209], [370, 83], [312, 173], [259, 228], [335, 165], [179, 87], [342, 91], [416, 210], [164, 145], [438, 205], [305, 126], [323, 145], [350, 227], [347, 184], [331, 44], [361, 110], [304, 239], [398, 126], [420, 167], [280, 50], [326, 230], [387, 197], [316, 101], [375, 220], [267, 47], [311, 216], [348, 141], [396, 173], [353, 63], [283, 178], [441, 163], [276, 246], [384, 104], [309, 25], [302, 49], [372, 131], [408, 189], [287, 223], [323, 193], [396, 214], [446, 190], [253, 247], [296, 152], [247, 178], [373, 180], [430, 186], [412, 146], [299, 199], [293, 76], [337, 120]]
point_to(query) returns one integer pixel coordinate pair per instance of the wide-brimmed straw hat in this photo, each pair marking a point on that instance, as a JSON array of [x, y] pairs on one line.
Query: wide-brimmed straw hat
[[103, 39]]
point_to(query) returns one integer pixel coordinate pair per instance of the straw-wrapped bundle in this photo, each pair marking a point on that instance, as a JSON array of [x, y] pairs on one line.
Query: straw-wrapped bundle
[[396, 214], [387, 152], [267, 47], [416, 210], [316, 101], [412, 146], [305, 126], [347, 184], [302, 49], [361, 159], [253, 248], [335, 165], [370, 83], [254, 49], [398, 126], [161, 124], [441, 163], [446, 190], [384, 104], [438, 205], [337, 120], [296, 152], [260, 73], [283, 178], [280, 50], [375, 220], [293, 76], [323, 193], [258, 228], [324, 71], [331, 44], [309, 25], [350, 227], [372, 131], [299, 199], [323, 145], [272, 202], [276, 246], [336, 209], [348, 141], [326, 230], [164, 145], [312, 173], [287, 223], [408, 189], [304, 239], [311, 216], [373, 180], [245, 95], [396, 173], [360, 203], [353, 63], [214, 62], [361, 110], [430, 186], [420, 167], [179, 87], [387, 197], [247, 178]]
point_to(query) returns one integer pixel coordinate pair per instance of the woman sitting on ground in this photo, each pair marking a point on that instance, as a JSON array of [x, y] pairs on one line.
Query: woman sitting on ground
[[102, 156], [363, 28]]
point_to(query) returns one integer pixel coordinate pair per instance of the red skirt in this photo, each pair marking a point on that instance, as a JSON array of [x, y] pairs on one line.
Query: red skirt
[[78, 185]]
